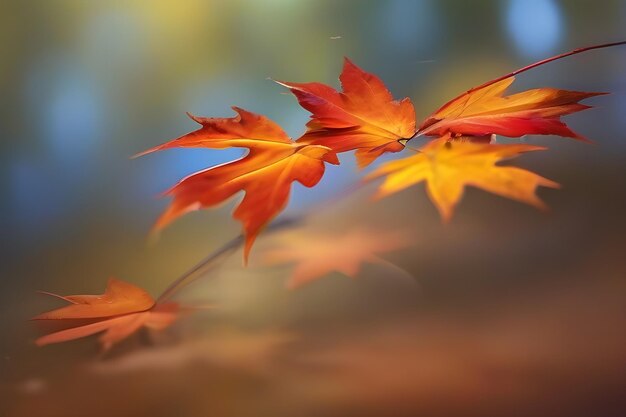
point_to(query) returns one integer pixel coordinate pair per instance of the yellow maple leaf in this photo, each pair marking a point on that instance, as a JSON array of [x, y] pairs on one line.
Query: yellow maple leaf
[[448, 166]]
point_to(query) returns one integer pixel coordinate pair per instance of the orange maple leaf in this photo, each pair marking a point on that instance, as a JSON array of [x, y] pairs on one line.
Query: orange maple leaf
[[273, 162], [448, 166], [121, 311], [486, 111], [323, 254], [363, 117]]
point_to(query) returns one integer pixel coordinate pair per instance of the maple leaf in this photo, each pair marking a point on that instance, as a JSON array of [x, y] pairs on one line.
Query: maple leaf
[[121, 311], [485, 111], [273, 162], [363, 117], [323, 254], [447, 167]]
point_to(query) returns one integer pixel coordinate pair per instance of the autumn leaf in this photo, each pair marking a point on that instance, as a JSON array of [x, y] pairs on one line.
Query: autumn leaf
[[363, 117], [486, 111], [320, 254], [447, 167], [265, 174], [119, 298], [121, 311]]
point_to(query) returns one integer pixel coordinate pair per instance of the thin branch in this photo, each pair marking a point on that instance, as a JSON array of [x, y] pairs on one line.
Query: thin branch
[[545, 61], [213, 259]]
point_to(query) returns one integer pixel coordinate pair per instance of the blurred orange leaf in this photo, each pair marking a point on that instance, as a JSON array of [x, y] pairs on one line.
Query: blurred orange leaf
[[319, 255], [273, 162], [121, 311], [448, 166], [486, 111], [363, 117]]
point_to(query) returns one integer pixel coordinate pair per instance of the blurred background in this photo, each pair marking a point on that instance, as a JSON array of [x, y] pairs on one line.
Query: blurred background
[[505, 311]]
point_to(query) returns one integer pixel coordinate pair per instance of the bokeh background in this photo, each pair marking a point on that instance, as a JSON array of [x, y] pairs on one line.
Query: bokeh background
[[508, 311]]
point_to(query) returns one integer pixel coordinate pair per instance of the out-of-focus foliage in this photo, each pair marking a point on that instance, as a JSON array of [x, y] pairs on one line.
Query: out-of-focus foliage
[[316, 254]]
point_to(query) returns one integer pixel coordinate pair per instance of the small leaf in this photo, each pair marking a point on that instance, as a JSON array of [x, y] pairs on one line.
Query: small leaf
[[121, 311]]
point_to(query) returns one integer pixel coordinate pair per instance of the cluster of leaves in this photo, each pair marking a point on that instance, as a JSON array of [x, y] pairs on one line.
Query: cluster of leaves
[[362, 118], [365, 119]]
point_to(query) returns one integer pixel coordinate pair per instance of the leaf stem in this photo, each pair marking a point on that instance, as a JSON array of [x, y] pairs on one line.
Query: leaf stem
[[212, 260]]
